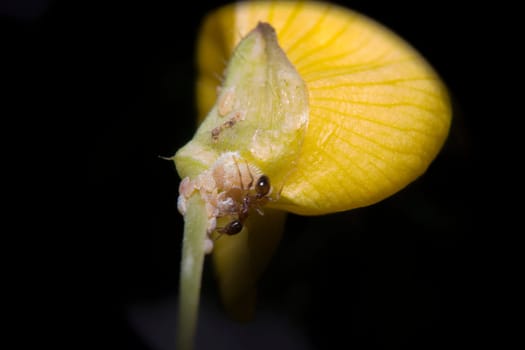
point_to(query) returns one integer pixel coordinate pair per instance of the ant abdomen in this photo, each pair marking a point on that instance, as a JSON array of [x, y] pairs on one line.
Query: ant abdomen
[[232, 228]]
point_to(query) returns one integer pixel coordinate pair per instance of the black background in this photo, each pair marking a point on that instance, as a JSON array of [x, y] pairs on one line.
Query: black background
[[102, 88]]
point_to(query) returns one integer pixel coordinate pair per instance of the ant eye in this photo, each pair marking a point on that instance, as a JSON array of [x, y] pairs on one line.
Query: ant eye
[[263, 186], [233, 227]]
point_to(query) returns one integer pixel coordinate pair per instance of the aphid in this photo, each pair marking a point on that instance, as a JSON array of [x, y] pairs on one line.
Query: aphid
[[226, 102], [230, 189], [235, 117]]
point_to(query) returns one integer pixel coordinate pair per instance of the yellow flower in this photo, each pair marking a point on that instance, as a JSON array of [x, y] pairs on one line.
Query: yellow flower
[[334, 109]]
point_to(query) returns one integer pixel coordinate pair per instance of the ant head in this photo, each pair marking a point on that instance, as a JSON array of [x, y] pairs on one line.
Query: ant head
[[262, 186]]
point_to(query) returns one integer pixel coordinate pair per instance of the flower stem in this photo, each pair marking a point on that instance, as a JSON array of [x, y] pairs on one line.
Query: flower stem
[[195, 223]]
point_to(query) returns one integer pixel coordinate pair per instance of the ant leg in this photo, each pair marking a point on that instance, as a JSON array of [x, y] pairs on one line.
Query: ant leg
[[259, 210], [215, 239], [238, 172], [278, 195], [249, 172]]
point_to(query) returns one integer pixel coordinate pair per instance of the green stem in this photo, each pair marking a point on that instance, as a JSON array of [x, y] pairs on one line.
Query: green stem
[[195, 224]]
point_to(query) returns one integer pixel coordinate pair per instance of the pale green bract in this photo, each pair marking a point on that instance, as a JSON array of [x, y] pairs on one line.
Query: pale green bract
[[261, 112]]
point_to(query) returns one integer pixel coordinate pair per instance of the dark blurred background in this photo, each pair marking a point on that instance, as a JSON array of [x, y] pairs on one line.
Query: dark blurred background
[[108, 87]]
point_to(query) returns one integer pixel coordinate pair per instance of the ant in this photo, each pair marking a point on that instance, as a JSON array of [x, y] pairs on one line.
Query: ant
[[262, 188]]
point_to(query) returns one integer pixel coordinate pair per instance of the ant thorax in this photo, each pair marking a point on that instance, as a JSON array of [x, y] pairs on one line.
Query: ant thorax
[[230, 189]]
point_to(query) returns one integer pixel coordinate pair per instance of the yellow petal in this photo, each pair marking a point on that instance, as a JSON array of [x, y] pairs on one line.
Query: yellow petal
[[378, 113], [240, 260]]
